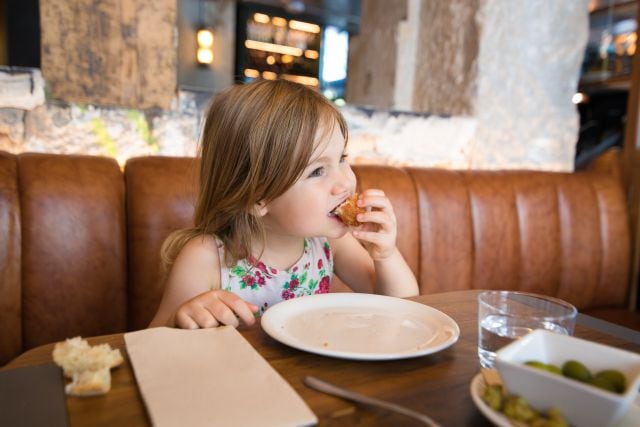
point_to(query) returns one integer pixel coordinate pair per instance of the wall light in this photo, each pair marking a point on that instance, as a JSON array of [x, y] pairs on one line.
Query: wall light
[[261, 18], [205, 40], [579, 98], [304, 26]]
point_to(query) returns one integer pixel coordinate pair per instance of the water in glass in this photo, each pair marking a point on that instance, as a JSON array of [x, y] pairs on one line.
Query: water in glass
[[498, 330]]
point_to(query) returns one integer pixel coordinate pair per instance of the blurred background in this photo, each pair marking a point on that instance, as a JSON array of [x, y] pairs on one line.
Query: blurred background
[[457, 84], [500, 82]]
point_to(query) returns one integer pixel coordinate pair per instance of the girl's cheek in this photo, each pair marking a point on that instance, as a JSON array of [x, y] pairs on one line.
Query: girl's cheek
[[353, 180], [351, 176]]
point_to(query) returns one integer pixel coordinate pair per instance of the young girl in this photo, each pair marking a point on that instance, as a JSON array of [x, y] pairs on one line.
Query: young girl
[[272, 170]]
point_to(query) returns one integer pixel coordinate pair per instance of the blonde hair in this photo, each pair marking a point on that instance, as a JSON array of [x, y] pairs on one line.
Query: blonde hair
[[257, 140]]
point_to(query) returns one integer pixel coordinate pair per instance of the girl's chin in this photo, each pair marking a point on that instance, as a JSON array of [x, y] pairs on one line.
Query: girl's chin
[[338, 232]]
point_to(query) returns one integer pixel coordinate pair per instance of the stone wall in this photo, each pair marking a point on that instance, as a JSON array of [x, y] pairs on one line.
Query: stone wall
[[509, 67], [372, 53], [110, 52], [70, 128], [528, 69]]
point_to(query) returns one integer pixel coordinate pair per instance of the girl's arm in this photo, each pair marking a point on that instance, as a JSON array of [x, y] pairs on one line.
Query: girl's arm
[[192, 298], [374, 263], [353, 265]]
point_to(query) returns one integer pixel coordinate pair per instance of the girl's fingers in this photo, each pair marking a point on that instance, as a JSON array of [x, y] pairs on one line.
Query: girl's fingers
[[184, 321], [213, 309], [244, 310], [372, 192], [379, 202], [378, 245], [224, 314], [378, 217], [369, 236], [204, 318]]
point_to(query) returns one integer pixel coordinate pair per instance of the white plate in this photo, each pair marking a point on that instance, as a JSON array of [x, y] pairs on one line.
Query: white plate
[[360, 326], [631, 418]]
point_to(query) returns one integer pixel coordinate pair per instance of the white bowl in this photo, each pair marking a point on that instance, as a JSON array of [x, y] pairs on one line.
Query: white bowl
[[582, 404]]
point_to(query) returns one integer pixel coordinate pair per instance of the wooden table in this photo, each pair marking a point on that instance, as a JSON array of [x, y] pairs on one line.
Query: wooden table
[[437, 385]]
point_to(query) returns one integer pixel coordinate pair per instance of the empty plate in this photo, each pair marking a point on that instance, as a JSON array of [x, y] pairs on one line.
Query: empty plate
[[360, 326]]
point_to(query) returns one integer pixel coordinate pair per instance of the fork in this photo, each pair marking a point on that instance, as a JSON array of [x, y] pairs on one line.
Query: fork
[[328, 388]]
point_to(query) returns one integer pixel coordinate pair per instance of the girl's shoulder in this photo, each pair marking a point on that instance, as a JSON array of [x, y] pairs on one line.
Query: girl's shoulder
[[197, 266], [203, 242], [203, 248]]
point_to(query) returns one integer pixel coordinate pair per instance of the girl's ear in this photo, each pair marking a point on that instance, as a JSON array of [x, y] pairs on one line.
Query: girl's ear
[[261, 208]]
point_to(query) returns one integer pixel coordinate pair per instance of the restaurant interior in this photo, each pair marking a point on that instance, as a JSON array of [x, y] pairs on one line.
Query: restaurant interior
[[504, 134]]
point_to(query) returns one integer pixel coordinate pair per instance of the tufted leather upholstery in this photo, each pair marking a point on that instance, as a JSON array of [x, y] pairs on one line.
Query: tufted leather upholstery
[[559, 234], [79, 239], [161, 194]]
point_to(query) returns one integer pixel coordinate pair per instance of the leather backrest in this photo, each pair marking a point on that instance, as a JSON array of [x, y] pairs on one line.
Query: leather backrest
[[73, 247], [560, 234], [10, 260], [161, 195], [399, 187], [554, 233], [75, 259]]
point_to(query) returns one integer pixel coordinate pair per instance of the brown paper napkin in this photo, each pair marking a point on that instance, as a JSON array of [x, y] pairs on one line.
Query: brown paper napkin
[[210, 377]]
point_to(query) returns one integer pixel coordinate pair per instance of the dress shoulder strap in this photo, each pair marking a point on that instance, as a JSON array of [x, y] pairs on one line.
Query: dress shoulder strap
[[224, 270]]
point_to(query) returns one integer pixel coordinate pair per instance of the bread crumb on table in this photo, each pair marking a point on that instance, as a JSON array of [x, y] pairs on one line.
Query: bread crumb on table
[[89, 367]]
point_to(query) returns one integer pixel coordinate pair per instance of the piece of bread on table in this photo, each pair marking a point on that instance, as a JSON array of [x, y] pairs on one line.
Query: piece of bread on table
[[88, 366], [89, 383], [348, 211]]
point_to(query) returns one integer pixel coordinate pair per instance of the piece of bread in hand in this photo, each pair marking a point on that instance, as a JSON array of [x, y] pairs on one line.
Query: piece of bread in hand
[[88, 366], [348, 211]]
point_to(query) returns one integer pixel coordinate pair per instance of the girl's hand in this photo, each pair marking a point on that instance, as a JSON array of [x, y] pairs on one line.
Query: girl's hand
[[214, 308], [379, 229]]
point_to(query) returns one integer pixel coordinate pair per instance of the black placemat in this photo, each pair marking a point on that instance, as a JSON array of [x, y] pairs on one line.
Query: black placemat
[[33, 396]]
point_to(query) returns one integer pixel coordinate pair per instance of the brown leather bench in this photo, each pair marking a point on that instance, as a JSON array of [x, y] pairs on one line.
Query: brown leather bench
[[79, 238]]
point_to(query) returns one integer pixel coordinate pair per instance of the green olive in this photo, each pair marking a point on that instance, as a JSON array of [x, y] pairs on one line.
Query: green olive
[[544, 366], [576, 370], [536, 364], [556, 416], [517, 408], [603, 383], [549, 422], [539, 422], [554, 369], [615, 378], [556, 422], [492, 396], [553, 418]]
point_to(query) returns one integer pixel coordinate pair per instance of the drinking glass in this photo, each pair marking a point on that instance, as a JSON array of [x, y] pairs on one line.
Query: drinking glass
[[504, 316]]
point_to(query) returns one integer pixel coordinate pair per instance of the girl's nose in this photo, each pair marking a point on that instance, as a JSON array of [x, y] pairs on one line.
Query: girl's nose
[[344, 182], [338, 189]]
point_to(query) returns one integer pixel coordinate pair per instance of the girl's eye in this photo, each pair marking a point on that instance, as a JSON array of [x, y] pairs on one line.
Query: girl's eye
[[317, 172]]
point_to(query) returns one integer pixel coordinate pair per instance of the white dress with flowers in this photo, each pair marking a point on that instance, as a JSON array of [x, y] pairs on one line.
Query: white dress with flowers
[[265, 286]]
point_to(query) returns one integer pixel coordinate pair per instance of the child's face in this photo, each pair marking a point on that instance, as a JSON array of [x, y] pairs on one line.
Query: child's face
[[304, 210]]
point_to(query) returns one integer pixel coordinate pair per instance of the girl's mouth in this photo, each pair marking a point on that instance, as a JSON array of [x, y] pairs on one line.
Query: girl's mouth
[[333, 211]]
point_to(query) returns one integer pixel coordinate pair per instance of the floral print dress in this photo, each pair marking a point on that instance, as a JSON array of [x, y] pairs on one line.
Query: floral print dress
[[264, 286]]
